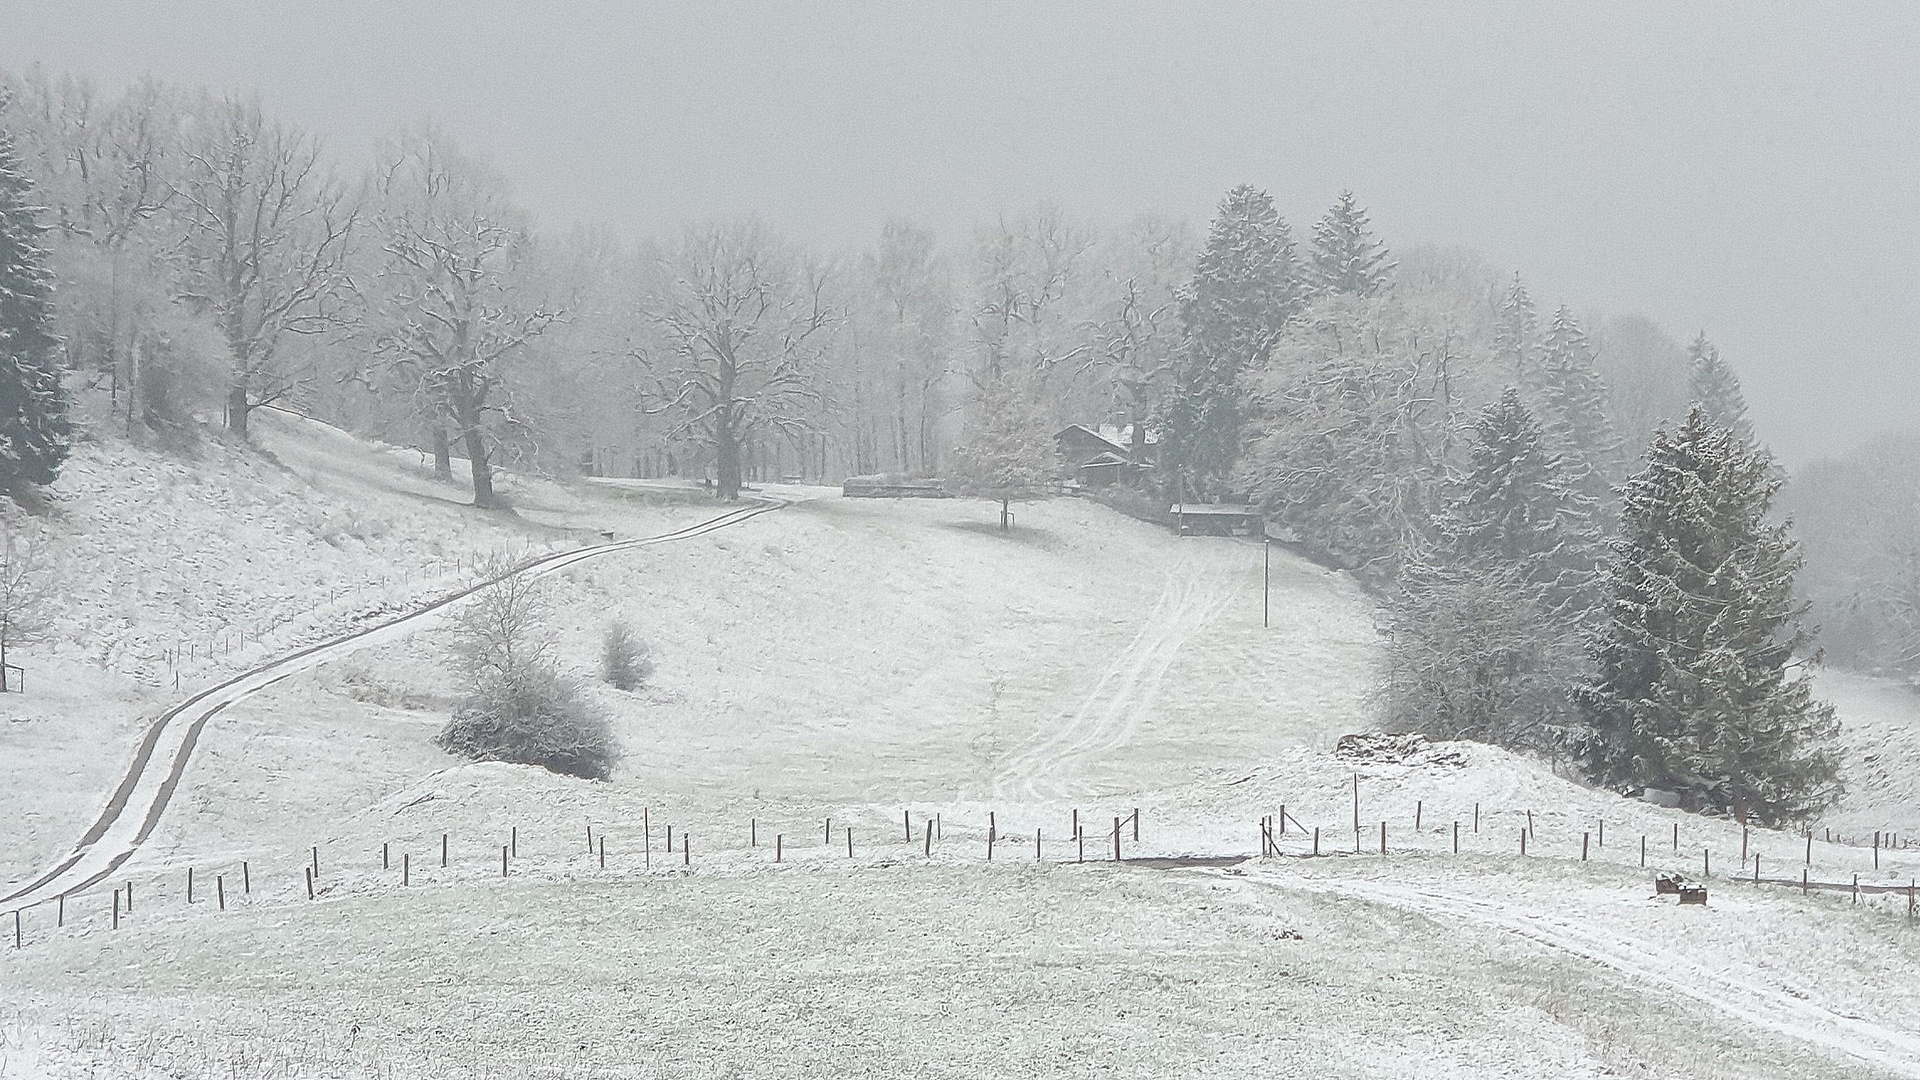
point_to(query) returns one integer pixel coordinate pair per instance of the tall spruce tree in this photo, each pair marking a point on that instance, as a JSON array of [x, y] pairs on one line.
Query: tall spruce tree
[[1714, 387], [1244, 288], [1516, 330], [1574, 404], [1700, 684], [34, 429], [1485, 624], [1347, 257]]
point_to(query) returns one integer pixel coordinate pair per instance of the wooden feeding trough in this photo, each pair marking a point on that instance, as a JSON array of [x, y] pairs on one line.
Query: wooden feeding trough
[[1664, 884], [1693, 894]]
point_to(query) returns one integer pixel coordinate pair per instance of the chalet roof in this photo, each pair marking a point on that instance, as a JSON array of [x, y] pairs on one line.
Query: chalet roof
[[1089, 433]]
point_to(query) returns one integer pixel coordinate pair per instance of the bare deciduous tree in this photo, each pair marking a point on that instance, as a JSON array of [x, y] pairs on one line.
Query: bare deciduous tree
[[743, 322], [267, 229], [452, 310]]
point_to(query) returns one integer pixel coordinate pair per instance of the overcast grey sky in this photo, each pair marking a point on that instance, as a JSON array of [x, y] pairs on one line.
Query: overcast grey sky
[[1748, 169]]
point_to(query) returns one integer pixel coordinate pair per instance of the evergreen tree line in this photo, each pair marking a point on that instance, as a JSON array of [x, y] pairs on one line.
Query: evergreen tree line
[[1544, 590]]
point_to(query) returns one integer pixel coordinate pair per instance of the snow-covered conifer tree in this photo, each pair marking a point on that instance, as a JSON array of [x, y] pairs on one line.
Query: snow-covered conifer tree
[[1516, 331], [1716, 389], [1245, 287], [34, 429], [1346, 256], [1574, 406], [1701, 682], [1485, 622]]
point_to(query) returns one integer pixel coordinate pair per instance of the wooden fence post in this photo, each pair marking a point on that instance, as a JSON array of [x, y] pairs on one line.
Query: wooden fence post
[[1756, 868], [1476, 817], [1643, 851], [1809, 847], [384, 863], [1116, 839], [753, 832], [220, 891], [443, 849], [1036, 845], [1283, 819], [129, 897], [1603, 832], [1584, 837], [1523, 841], [1416, 815], [246, 879], [1706, 863], [646, 837], [1080, 838], [1136, 824], [116, 909], [603, 851], [1383, 838], [1856, 888], [60, 910], [513, 841], [406, 868], [16, 928], [906, 822], [1529, 821], [686, 848], [1803, 875], [1316, 839], [1456, 838], [828, 842], [503, 860], [189, 884], [309, 883], [779, 841], [1743, 845], [929, 838], [316, 860], [1676, 836], [849, 841]]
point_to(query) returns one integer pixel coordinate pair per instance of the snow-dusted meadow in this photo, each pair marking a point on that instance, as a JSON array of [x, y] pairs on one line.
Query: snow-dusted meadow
[[856, 660]]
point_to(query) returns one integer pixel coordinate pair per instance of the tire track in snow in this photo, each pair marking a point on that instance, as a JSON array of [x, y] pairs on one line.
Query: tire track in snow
[[1044, 765], [160, 760], [1892, 1049]]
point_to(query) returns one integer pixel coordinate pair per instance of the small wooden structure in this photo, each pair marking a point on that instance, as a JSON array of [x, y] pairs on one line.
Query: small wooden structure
[[1217, 519], [892, 487], [1666, 884], [1693, 894]]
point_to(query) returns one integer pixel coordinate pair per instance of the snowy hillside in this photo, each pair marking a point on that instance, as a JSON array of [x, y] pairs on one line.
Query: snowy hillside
[[854, 661]]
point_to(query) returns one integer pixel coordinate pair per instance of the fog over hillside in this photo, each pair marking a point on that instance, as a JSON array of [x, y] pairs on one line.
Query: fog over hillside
[[968, 540]]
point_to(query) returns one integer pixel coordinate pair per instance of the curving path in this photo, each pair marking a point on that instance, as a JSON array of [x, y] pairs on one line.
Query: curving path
[[145, 789]]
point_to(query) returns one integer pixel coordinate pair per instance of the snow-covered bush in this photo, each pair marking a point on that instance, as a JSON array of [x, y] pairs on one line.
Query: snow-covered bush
[[518, 706], [533, 716], [626, 661]]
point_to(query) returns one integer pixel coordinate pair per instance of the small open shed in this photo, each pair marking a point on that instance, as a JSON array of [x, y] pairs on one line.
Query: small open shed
[[1217, 519]]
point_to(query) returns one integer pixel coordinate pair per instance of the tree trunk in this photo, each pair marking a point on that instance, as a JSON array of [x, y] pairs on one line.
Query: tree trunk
[[442, 454], [238, 407], [727, 462], [482, 471]]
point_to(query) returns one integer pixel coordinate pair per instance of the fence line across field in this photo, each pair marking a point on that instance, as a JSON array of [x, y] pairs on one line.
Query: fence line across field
[[1273, 838]]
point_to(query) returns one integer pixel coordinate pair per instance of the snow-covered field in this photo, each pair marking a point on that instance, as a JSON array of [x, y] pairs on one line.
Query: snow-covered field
[[857, 660]]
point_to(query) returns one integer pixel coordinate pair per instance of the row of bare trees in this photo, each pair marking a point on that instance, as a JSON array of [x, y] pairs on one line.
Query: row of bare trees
[[213, 259]]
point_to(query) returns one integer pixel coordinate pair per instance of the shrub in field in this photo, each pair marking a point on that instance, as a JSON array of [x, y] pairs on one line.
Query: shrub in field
[[625, 660], [532, 716], [518, 705]]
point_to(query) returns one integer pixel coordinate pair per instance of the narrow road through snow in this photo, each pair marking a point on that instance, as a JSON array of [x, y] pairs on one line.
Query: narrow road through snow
[[145, 789]]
